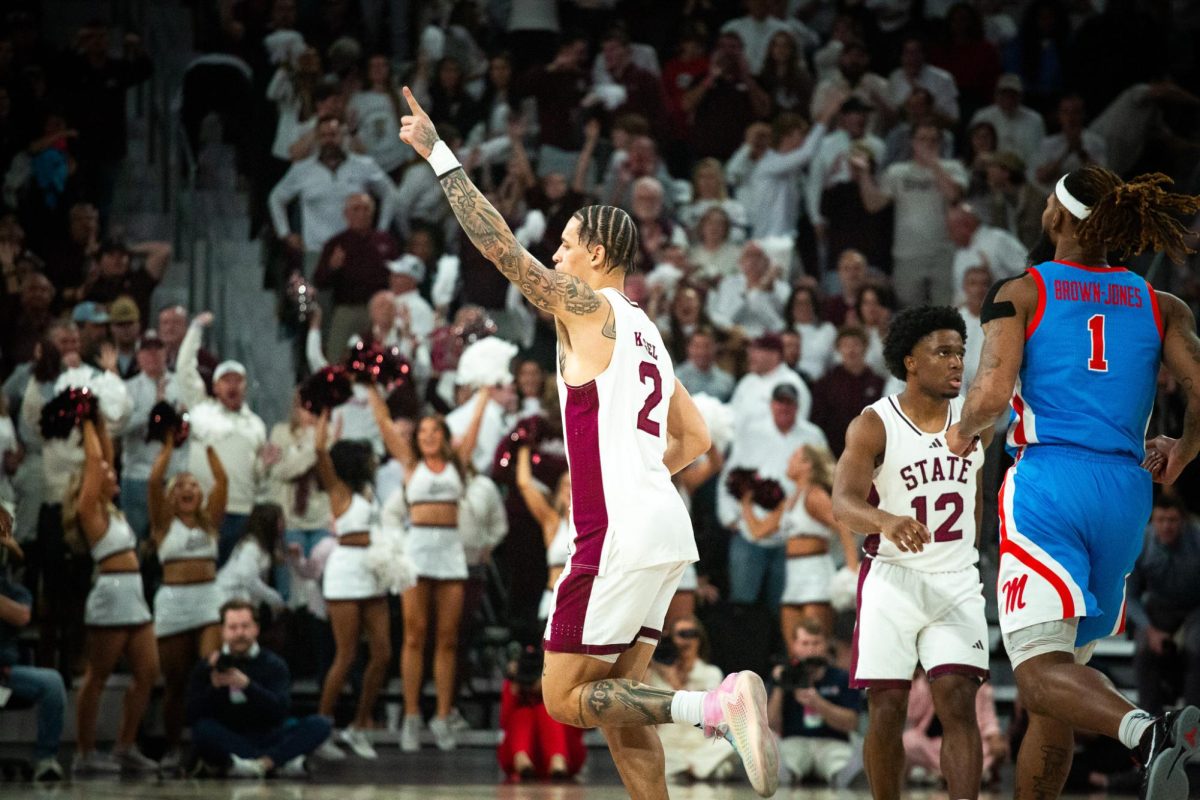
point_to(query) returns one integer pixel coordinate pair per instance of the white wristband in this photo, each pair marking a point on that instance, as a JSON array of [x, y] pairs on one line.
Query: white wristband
[[442, 159]]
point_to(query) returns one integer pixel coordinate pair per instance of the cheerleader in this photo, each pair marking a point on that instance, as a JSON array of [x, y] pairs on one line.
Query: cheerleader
[[355, 600], [433, 487], [554, 520], [688, 481], [186, 606], [806, 519], [117, 620]]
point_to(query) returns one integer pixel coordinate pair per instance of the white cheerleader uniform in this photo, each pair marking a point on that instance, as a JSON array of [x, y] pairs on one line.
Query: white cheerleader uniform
[[808, 577], [556, 556], [116, 598], [346, 575], [185, 607], [436, 551]]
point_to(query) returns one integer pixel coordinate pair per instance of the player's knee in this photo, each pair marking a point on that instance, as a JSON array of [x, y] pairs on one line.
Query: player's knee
[[560, 707], [956, 701], [1032, 688], [888, 707]]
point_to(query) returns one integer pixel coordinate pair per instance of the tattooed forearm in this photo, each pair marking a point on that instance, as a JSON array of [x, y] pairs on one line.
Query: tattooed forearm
[[547, 289], [979, 410], [624, 702]]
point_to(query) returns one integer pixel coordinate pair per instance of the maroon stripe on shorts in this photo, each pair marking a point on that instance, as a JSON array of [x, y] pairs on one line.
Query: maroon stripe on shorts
[[863, 569], [581, 428], [570, 610], [648, 633]]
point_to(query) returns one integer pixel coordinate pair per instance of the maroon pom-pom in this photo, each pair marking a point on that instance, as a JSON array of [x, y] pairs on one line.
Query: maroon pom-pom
[[768, 493], [66, 410], [327, 388], [165, 418], [740, 481], [378, 364]]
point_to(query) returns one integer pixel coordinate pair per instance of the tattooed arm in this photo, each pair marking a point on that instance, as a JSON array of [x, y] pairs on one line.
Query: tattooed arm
[[564, 296], [1181, 355], [999, 366]]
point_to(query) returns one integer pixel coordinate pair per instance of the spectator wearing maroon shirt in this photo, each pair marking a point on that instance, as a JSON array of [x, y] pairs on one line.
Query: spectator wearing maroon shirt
[[558, 88], [353, 267], [726, 102], [643, 91], [846, 389], [680, 74], [114, 276], [852, 276]]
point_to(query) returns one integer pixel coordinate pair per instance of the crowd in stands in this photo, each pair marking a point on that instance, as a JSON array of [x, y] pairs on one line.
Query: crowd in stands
[[798, 171]]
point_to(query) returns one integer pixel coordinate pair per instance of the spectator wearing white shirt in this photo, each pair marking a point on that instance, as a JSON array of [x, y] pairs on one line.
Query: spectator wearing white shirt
[[708, 192], [755, 29], [713, 254], [225, 423], [921, 190], [854, 78], [915, 71], [917, 108], [981, 245], [1069, 149], [976, 282], [152, 383], [752, 397], [817, 336], [756, 140], [416, 317], [757, 566], [1019, 129], [751, 300], [293, 89], [483, 415], [700, 374], [774, 193], [322, 182]]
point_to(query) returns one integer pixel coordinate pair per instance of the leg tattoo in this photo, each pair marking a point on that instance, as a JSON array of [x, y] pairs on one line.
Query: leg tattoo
[[624, 702]]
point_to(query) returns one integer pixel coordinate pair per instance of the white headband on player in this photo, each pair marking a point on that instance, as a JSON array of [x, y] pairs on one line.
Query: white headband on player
[[1068, 201]]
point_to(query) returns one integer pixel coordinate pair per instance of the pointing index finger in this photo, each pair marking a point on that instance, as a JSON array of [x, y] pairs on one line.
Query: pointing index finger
[[412, 102]]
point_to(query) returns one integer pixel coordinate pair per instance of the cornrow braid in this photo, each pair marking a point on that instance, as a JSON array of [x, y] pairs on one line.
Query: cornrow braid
[[612, 229], [1133, 216]]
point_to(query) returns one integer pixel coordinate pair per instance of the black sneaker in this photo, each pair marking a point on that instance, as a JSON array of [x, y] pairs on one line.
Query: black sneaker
[[1164, 751]]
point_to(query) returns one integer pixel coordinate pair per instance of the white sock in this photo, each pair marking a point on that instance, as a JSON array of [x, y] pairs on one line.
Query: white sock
[[1133, 725], [687, 708]]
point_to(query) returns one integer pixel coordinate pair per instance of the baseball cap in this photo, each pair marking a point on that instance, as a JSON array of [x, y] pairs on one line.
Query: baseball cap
[[785, 393], [124, 309], [89, 311], [855, 104], [150, 339], [768, 341], [228, 367], [1010, 81], [409, 265]]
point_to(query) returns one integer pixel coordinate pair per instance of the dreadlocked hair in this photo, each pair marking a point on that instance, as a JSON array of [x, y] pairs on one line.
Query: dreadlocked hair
[[1130, 217], [910, 327], [612, 229]]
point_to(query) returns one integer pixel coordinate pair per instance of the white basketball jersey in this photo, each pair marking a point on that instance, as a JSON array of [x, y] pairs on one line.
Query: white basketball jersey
[[921, 478], [626, 512]]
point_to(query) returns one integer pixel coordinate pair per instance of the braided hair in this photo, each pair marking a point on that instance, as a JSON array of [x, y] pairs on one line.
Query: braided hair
[[1129, 217], [612, 229]]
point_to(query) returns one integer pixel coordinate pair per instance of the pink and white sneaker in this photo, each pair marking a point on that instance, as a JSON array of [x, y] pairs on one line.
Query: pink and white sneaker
[[737, 711]]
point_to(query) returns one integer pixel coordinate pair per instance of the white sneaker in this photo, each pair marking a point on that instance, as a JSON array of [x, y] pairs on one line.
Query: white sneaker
[[457, 722], [47, 769], [329, 751], [246, 768], [170, 761], [442, 734], [132, 760], [410, 734], [94, 763], [295, 768], [358, 741]]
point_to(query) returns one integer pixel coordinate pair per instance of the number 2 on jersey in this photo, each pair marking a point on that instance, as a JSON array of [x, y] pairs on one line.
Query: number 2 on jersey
[[1097, 363], [648, 370], [946, 532]]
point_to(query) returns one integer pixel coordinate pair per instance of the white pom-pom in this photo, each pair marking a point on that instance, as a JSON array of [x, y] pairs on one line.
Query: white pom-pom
[[388, 562], [486, 363], [718, 417], [843, 589]]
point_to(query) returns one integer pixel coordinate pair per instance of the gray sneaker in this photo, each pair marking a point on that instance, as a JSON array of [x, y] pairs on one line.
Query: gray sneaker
[[94, 763], [47, 770], [410, 734], [329, 751], [294, 769], [458, 723], [245, 768], [442, 734], [132, 760]]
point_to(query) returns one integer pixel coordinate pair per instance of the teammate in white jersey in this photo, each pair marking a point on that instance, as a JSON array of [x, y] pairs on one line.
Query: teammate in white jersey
[[919, 595], [629, 426]]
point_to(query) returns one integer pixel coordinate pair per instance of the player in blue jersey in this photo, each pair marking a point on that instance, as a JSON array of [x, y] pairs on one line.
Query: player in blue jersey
[[1075, 345]]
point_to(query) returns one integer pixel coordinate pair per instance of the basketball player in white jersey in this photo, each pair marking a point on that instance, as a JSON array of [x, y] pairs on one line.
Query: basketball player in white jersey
[[629, 426], [919, 595]]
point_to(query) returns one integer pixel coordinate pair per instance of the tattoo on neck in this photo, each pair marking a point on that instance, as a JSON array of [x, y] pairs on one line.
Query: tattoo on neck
[[610, 325]]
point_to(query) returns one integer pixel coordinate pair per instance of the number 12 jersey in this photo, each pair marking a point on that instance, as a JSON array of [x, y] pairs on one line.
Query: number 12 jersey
[[625, 511], [920, 478]]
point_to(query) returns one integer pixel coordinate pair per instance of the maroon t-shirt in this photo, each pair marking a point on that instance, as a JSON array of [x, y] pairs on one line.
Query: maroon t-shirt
[[364, 270]]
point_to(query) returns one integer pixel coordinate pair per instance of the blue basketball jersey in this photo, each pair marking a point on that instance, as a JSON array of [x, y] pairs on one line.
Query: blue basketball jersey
[[1092, 352]]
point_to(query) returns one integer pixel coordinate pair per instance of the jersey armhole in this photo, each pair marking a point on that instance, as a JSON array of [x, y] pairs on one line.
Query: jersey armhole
[[1158, 320], [1038, 281]]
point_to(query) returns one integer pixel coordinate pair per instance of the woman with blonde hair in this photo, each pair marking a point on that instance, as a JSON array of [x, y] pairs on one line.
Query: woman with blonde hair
[[708, 192], [184, 529], [116, 616], [806, 519], [434, 484]]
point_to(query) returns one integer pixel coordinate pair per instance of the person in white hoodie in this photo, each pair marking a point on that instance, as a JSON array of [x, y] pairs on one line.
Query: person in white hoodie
[[226, 423]]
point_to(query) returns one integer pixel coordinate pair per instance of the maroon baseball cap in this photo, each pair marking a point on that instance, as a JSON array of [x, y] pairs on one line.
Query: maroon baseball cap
[[768, 341]]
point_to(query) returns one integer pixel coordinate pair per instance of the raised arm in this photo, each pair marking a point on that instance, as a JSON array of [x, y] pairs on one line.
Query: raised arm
[[687, 433], [339, 493], [535, 501], [567, 298], [394, 440], [865, 443], [156, 491], [90, 503], [465, 445], [219, 494]]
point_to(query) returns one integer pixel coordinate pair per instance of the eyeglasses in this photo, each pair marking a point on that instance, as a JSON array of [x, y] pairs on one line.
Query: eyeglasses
[[688, 633]]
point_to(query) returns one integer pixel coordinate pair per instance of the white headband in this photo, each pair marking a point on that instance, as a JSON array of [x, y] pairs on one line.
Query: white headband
[[1068, 201]]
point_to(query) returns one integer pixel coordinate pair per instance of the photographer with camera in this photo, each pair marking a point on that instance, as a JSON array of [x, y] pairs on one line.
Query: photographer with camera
[[812, 708], [534, 745], [237, 706], [680, 664]]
